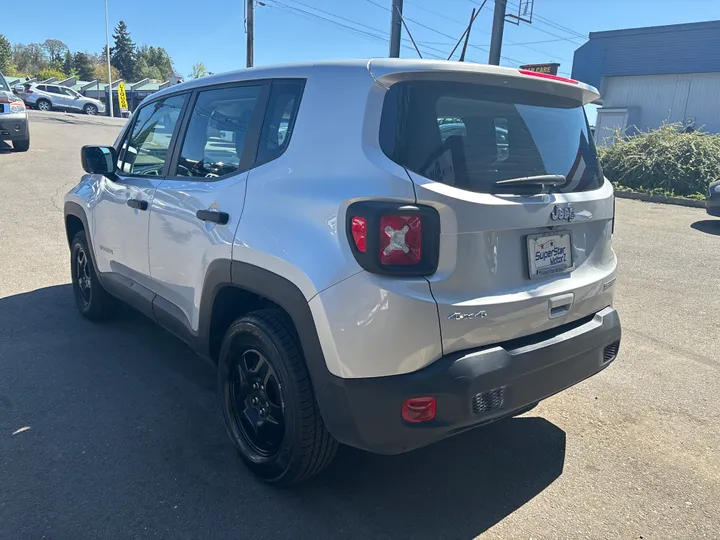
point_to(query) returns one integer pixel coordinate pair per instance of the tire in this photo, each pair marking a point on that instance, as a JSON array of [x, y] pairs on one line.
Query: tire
[[262, 347], [22, 146], [43, 105], [92, 300], [90, 109]]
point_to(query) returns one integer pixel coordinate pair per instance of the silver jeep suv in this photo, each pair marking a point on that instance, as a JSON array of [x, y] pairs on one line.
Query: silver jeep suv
[[381, 285]]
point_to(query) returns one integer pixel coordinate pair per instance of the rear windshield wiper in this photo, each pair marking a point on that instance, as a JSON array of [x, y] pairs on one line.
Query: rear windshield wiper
[[540, 180]]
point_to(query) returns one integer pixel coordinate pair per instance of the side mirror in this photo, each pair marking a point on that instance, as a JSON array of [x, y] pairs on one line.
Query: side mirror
[[19, 89], [99, 160]]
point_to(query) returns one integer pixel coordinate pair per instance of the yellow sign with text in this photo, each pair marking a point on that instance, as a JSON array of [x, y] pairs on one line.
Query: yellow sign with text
[[122, 97]]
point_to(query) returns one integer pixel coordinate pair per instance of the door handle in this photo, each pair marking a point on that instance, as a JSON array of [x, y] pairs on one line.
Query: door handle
[[559, 306], [137, 204], [213, 215]]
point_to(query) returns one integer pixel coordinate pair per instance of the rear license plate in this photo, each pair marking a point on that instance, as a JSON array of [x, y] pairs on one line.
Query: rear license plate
[[549, 254]]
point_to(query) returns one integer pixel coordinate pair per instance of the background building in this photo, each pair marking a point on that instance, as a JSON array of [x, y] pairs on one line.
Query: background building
[[647, 76]]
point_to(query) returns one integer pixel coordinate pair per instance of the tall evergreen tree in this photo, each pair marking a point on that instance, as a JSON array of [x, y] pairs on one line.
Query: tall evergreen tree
[[122, 54], [68, 67], [84, 66], [5, 55]]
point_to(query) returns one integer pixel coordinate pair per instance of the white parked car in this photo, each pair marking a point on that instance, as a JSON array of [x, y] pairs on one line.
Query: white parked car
[[47, 97], [381, 285]]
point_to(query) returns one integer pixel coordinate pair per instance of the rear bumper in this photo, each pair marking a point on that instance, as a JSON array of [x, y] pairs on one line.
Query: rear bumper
[[13, 127], [713, 206], [471, 387]]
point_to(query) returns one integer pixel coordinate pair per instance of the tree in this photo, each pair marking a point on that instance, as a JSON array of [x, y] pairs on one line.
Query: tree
[[29, 58], [68, 66], [84, 67], [100, 72], [198, 70], [122, 55], [153, 63], [50, 72], [55, 50], [6, 63]]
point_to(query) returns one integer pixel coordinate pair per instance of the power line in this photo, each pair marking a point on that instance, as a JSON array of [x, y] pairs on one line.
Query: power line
[[373, 33], [505, 42], [484, 49], [553, 25]]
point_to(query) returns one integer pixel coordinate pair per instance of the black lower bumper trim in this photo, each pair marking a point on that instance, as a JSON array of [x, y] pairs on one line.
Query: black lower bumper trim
[[713, 206], [471, 387]]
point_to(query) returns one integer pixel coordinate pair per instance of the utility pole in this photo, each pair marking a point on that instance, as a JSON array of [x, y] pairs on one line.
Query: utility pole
[[107, 50], [396, 28], [250, 21], [497, 32]]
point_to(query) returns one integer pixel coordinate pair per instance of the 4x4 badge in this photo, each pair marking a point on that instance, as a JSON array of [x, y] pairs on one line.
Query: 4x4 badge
[[563, 214]]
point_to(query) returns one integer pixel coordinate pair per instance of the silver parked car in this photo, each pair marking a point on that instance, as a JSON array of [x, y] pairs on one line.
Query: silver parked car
[[47, 97], [378, 285]]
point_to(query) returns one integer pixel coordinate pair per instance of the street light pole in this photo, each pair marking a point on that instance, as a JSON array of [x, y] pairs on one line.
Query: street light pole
[[107, 51]]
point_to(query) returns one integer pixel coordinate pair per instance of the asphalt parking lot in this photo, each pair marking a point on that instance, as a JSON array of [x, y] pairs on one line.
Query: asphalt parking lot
[[125, 437]]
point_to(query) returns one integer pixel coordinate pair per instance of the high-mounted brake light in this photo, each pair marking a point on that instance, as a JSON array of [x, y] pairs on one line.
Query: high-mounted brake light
[[547, 76], [400, 240]]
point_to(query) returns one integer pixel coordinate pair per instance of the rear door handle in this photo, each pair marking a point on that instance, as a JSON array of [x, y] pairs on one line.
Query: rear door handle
[[213, 215], [137, 204]]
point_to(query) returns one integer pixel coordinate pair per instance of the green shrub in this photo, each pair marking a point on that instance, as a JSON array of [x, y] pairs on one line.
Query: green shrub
[[664, 160]]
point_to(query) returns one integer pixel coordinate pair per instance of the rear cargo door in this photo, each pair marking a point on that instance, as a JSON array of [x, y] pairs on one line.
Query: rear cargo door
[[526, 215]]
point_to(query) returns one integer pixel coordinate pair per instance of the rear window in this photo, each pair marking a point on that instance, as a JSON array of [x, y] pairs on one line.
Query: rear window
[[471, 136]]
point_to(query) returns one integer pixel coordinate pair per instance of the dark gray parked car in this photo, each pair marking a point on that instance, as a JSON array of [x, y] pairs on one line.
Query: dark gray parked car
[[713, 201]]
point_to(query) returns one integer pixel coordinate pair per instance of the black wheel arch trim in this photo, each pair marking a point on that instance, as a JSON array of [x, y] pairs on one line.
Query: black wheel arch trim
[[74, 209]]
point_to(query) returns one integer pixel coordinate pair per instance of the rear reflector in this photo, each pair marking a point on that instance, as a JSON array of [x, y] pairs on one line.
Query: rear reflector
[[547, 76], [400, 240], [359, 233], [422, 409]]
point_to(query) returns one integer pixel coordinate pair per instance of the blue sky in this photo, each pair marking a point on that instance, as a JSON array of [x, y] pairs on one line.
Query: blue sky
[[288, 30]]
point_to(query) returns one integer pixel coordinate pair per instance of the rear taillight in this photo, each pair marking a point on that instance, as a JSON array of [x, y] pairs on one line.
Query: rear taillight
[[359, 233], [28, 91], [400, 240], [394, 239]]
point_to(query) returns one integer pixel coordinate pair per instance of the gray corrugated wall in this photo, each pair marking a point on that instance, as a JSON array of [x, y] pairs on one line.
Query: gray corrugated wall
[[675, 98], [683, 48]]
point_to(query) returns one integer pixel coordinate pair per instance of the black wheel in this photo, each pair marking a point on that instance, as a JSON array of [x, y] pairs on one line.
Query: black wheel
[[268, 402], [92, 300], [90, 109], [43, 105], [22, 146]]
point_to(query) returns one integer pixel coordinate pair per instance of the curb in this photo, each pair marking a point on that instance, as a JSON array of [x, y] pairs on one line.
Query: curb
[[634, 195]]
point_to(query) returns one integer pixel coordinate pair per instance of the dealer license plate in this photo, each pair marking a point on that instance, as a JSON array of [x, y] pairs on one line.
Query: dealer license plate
[[549, 254]]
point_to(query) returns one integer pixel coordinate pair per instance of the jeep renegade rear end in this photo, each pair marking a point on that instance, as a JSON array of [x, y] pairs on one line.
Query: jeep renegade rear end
[[438, 259]]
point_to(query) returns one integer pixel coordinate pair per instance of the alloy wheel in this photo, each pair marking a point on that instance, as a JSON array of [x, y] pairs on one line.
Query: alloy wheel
[[82, 275], [256, 402]]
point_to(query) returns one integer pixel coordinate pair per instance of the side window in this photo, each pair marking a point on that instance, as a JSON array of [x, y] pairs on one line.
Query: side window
[[216, 133], [145, 149], [67, 92], [42, 87], [279, 119], [53, 89]]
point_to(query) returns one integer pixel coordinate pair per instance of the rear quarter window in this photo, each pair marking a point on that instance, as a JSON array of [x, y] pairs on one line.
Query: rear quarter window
[[472, 136]]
